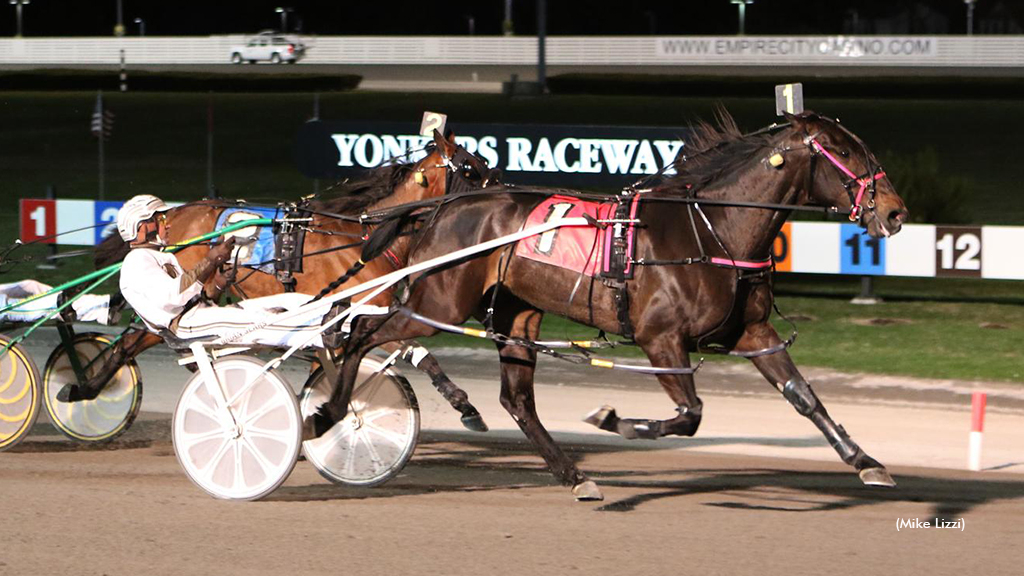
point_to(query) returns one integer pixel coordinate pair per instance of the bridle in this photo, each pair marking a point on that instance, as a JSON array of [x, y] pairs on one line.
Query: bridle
[[866, 180], [462, 173]]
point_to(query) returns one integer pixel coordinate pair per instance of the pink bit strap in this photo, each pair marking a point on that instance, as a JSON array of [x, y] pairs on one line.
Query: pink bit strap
[[741, 263]]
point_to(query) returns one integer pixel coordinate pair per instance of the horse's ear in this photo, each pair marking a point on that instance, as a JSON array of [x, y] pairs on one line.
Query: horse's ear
[[798, 122], [444, 145]]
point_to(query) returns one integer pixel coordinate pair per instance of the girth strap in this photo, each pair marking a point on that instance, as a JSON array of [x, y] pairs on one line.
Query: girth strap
[[622, 305], [619, 240], [617, 258]]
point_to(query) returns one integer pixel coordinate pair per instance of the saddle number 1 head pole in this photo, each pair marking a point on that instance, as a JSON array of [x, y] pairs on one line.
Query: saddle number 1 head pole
[[789, 98]]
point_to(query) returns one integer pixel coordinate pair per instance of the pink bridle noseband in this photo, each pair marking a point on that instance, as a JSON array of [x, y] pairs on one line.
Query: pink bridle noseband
[[868, 179]]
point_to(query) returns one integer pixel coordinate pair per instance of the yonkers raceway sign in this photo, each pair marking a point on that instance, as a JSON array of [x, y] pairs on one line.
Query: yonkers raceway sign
[[548, 155]]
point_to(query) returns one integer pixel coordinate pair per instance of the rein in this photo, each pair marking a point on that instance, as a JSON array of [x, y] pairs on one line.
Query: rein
[[5, 259], [380, 216], [102, 275]]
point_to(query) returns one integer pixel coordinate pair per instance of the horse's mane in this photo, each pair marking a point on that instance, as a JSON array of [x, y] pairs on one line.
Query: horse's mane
[[110, 251], [713, 152], [351, 196]]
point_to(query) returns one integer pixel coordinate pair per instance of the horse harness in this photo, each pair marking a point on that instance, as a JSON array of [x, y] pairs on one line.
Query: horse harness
[[866, 182], [760, 268], [289, 240], [618, 257], [869, 178], [462, 174]]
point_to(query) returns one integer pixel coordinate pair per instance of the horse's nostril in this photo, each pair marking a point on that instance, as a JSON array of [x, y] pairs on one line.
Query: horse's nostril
[[898, 216]]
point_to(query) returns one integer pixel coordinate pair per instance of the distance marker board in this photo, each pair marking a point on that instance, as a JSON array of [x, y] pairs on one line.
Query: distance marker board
[[919, 250], [72, 222]]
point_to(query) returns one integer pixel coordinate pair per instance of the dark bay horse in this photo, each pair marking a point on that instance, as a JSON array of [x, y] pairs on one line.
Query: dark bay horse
[[388, 186], [721, 297]]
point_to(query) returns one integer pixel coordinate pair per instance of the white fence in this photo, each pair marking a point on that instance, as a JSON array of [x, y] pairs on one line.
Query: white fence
[[911, 51], [921, 250]]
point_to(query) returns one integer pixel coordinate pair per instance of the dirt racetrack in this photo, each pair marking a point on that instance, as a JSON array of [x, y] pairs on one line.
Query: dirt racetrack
[[489, 507]]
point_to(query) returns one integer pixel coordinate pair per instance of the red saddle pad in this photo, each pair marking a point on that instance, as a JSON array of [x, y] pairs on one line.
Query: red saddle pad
[[576, 248]]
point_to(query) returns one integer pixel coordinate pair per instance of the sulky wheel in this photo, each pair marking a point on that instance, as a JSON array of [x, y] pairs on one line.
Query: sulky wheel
[[378, 435], [246, 452], [107, 416], [19, 394]]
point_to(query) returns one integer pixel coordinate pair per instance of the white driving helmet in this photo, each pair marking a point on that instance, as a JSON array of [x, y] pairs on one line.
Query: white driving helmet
[[135, 212]]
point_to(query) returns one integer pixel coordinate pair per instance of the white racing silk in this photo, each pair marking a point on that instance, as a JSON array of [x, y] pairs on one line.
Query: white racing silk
[[88, 308], [150, 282]]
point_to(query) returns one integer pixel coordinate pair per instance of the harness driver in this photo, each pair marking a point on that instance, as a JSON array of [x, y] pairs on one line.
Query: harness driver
[[167, 297]]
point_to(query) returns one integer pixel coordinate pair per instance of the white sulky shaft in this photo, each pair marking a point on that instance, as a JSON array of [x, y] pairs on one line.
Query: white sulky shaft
[[378, 285]]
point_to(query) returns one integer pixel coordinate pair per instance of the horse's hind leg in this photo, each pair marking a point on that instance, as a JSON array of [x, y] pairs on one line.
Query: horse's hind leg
[[781, 372], [133, 344], [423, 360], [368, 332], [666, 351], [517, 369]]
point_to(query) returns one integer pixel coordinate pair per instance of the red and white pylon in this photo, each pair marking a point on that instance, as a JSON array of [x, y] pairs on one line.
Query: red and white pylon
[[977, 427]]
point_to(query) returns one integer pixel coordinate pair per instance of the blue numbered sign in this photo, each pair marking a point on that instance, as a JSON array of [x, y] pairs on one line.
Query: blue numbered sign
[[106, 213], [860, 253]]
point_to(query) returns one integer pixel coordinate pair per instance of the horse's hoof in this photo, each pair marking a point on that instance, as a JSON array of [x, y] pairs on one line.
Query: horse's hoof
[[877, 477], [604, 418], [75, 393], [316, 425], [587, 491], [308, 429], [474, 422], [65, 393]]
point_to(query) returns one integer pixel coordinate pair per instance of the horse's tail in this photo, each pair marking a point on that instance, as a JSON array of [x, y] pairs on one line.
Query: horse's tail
[[111, 251], [379, 241], [384, 236]]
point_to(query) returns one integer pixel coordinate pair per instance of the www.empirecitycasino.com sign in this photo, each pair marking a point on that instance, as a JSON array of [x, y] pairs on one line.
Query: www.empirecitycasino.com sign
[[550, 155]]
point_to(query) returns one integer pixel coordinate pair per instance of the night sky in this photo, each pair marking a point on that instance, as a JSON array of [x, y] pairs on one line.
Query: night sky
[[447, 17]]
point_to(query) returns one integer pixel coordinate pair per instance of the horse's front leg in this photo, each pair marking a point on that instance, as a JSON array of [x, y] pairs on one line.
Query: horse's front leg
[[781, 372], [424, 361], [665, 351]]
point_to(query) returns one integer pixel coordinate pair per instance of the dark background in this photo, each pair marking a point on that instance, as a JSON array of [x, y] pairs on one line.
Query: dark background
[[595, 17]]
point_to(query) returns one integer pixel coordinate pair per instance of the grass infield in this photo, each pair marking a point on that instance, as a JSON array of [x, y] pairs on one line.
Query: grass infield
[[926, 338]]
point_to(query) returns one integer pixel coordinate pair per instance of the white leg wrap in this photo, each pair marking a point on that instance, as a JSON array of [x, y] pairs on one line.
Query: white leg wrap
[[416, 355]]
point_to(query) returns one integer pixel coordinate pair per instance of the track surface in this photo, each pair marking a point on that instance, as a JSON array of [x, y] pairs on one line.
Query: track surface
[[490, 508], [484, 504]]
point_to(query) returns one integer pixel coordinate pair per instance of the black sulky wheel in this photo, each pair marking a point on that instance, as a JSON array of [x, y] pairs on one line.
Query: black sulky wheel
[[107, 416], [19, 394], [378, 435]]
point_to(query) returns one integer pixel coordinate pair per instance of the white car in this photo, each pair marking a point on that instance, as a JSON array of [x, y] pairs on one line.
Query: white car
[[272, 46]]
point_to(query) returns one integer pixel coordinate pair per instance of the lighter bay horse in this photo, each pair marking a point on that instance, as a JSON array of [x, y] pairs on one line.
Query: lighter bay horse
[[444, 165]]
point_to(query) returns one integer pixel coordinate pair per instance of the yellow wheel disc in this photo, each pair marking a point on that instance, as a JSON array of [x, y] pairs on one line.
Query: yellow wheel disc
[[19, 395], [112, 412]]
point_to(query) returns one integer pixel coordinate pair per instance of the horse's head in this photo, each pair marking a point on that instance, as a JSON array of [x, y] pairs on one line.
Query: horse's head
[[844, 173], [452, 168]]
